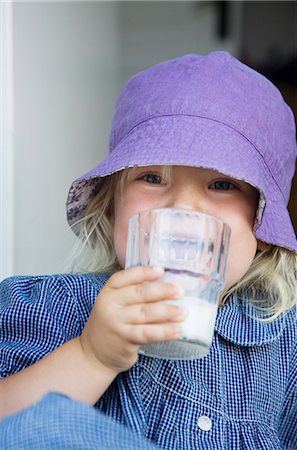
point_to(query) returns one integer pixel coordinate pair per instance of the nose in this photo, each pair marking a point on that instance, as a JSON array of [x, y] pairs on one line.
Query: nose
[[188, 197]]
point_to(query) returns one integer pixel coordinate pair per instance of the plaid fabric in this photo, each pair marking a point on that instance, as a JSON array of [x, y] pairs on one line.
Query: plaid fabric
[[58, 422], [243, 395]]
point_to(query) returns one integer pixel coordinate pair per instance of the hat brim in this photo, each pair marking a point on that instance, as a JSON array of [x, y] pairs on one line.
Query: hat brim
[[198, 142]]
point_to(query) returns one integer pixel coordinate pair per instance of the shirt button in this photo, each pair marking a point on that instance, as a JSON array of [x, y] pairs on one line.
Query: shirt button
[[204, 423]]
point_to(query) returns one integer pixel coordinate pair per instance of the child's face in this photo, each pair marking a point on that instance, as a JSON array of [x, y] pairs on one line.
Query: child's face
[[203, 190]]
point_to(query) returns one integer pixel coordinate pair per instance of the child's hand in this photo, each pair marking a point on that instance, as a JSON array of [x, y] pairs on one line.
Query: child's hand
[[129, 312]]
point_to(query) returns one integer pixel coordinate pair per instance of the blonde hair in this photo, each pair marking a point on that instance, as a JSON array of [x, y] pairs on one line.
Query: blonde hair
[[270, 283]]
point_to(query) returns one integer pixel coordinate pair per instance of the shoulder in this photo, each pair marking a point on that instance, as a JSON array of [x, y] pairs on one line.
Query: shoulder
[[288, 337], [62, 294], [84, 283], [241, 323], [39, 313], [288, 417], [54, 295], [49, 287], [29, 281]]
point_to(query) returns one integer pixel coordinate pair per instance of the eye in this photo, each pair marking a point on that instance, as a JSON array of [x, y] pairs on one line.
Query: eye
[[223, 185], [152, 178]]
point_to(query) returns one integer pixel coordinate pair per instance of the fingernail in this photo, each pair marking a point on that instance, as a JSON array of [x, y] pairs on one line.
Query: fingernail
[[158, 270]]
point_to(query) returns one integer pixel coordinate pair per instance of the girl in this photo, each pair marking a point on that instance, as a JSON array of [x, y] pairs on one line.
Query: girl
[[205, 133]]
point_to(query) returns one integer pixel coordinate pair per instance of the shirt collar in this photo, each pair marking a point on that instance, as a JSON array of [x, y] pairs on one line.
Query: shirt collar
[[236, 322]]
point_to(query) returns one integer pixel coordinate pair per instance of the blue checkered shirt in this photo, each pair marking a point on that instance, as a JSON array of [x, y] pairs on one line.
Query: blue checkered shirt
[[243, 395]]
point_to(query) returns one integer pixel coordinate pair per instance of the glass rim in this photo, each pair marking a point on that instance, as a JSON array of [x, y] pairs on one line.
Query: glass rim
[[181, 210]]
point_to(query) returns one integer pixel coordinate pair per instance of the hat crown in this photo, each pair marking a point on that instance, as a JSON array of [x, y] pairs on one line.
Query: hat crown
[[220, 88], [204, 111]]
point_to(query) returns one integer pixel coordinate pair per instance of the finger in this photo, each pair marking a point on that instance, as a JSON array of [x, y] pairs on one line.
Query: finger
[[153, 313], [147, 293], [134, 275], [148, 334]]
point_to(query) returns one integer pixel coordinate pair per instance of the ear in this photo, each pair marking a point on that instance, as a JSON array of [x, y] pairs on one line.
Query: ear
[[262, 245]]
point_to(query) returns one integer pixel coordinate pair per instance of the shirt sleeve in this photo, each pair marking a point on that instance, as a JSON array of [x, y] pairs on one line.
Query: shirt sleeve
[[288, 421], [38, 314]]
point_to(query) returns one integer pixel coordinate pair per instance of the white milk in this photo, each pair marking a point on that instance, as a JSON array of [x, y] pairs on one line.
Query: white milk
[[199, 323], [197, 328]]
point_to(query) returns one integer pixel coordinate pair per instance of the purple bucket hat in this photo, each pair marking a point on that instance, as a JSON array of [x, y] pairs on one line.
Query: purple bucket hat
[[205, 111]]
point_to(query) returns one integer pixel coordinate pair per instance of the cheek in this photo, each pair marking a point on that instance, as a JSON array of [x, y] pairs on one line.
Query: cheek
[[124, 208], [243, 243], [242, 250], [120, 240], [120, 233]]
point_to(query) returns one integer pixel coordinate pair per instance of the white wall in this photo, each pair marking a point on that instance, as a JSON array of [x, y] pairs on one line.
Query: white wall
[[65, 69], [155, 31], [6, 141], [70, 59]]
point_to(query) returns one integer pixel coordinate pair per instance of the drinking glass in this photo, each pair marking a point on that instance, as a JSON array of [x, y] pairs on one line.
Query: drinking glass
[[192, 247]]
